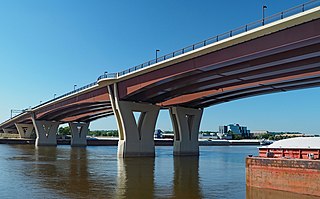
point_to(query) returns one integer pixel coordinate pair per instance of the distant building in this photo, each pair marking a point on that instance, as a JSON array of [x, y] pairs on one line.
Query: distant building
[[225, 131], [258, 132], [225, 136], [208, 136]]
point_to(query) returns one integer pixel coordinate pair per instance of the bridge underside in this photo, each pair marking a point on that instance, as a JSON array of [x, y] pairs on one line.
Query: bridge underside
[[82, 108], [282, 61]]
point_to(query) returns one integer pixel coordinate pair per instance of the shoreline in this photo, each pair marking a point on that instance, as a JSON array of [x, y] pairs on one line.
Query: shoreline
[[157, 142]]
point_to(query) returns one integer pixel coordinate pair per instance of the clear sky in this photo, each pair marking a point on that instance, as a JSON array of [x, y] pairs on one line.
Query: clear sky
[[46, 47]]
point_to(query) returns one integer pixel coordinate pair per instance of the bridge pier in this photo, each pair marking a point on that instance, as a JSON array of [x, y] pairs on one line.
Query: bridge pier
[[186, 124], [79, 133], [46, 132], [24, 130], [136, 139]]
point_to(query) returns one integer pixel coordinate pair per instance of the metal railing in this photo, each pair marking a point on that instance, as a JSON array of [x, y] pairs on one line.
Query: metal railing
[[281, 15], [69, 93], [262, 22], [56, 98]]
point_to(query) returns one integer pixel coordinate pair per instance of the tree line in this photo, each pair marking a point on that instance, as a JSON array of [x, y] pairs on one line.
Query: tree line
[[111, 133]]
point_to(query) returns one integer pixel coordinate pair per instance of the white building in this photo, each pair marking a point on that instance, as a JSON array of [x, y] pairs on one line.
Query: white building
[[224, 131]]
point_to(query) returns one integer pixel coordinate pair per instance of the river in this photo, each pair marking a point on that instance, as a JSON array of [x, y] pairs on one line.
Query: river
[[96, 172]]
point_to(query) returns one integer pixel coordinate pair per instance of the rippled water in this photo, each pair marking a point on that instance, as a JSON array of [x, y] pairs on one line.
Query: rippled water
[[96, 172]]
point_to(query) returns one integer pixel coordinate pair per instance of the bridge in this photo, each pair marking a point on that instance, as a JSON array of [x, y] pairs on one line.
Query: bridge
[[279, 53]]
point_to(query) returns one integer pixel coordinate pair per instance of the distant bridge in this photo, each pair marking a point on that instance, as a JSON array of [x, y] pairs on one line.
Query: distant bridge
[[276, 54]]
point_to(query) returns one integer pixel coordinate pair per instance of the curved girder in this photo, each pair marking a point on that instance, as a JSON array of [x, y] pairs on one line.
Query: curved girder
[[219, 81], [98, 95], [253, 91], [95, 117], [287, 63], [87, 117], [86, 111], [71, 108], [78, 111]]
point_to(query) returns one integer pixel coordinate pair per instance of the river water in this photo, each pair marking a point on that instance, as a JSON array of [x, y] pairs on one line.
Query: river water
[[96, 172]]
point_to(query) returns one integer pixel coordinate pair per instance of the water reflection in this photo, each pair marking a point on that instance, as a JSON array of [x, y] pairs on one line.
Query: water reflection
[[135, 178], [65, 172], [257, 193], [96, 172], [186, 178]]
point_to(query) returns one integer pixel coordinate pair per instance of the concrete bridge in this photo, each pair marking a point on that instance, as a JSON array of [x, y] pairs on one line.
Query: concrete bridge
[[276, 54]]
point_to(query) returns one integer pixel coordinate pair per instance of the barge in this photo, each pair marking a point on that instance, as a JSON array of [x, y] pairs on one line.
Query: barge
[[291, 165]]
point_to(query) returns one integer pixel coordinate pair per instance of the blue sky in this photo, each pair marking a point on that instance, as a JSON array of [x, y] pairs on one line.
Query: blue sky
[[48, 46]]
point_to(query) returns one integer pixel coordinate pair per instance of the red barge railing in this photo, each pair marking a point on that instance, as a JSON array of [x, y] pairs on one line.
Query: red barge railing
[[291, 153]]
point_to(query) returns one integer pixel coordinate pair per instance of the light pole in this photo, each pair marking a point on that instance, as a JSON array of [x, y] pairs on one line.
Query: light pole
[[74, 87], [157, 55], [263, 13], [54, 96]]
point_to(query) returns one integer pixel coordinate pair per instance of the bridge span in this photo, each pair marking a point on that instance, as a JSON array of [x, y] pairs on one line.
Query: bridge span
[[276, 54]]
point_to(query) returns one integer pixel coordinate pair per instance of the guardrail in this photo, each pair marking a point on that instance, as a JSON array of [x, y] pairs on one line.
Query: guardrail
[[69, 93], [262, 22], [59, 97]]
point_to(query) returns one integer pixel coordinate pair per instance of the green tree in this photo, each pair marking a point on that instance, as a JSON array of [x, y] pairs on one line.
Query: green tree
[[110, 133], [64, 131], [235, 136]]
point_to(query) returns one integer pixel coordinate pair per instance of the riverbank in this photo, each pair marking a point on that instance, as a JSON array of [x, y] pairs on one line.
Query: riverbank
[[114, 142]]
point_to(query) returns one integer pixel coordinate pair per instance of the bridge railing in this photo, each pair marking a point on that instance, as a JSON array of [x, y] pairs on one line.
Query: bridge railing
[[69, 93], [56, 98], [281, 15]]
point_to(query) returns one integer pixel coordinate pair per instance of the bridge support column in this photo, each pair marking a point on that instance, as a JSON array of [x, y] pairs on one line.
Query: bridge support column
[[79, 133], [25, 130], [46, 132], [135, 138], [186, 124]]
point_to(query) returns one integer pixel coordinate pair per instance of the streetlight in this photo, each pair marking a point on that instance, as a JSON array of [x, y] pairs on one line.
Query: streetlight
[[74, 87], [54, 96], [263, 13], [157, 55]]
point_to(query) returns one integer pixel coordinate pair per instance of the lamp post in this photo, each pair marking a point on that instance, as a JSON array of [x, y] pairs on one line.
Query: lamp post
[[54, 96], [157, 55], [74, 87], [263, 13]]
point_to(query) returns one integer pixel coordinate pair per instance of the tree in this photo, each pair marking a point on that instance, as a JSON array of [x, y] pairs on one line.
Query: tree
[[110, 133], [235, 136], [64, 131]]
